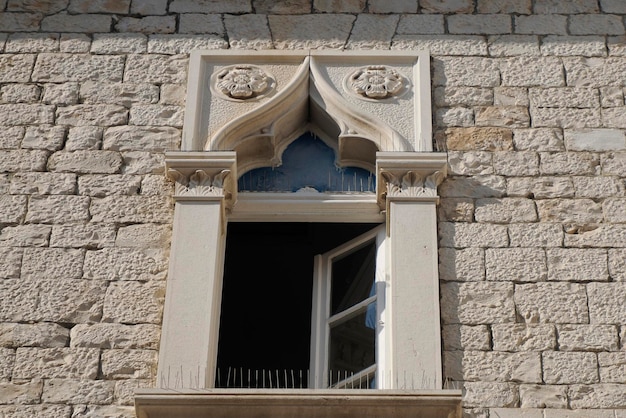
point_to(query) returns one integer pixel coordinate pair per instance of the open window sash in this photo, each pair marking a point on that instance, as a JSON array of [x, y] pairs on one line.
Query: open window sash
[[349, 283]]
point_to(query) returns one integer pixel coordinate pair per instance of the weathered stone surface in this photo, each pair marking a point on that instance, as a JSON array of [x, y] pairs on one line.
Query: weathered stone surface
[[157, 115], [44, 137], [467, 96], [484, 139], [474, 303], [470, 163], [543, 396], [61, 68], [464, 337], [581, 211], [94, 114], [183, 44], [532, 71], [614, 163], [125, 94], [493, 366], [208, 23], [505, 6], [393, 6], [600, 236], [156, 185], [454, 116], [119, 43], [25, 236], [16, 68], [490, 394], [128, 364], [11, 137], [576, 163], [47, 335], [415, 24], [617, 264], [84, 138], [609, 395], [43, 183], [540, 187], [20, 394], [569, 368], [606, 302], [465, 71], [60, 94], [134, 302], [615, 210], [560, 303], [513, 45], [596, 24], [541, 25], [290, 32], [156, 69], [57, 209], [52, 263], [127, 209], [210, 6], [575, 264], [46, 6], [462, 265], [523, 337], [10, 262], [594, 72], [486, 24], [516, 264], [27, 411], [72, 301], [77, 363], [139, 162], [88, 236], [595, 140], [99, 6], [98, 185], [125, 390], [611, 96], [26, 114], [134, 138], [538, 139], [441, 45], [92, 411], [20, 93], [105, 162], [144, 236], [447, 6], [588, 338], [505, 210], [462, 235], [510, 96], [597, 187], [74, 43], [147, 25], [573, 7], [32, 42], [84, 23], [372, 32], [572, 118], [456, 210], [612, 367], [589, 46], [115, 336], [173, 94], [7, 361], [125, 264], [564, 97], [244, 31], [70, 391], [12, 209]]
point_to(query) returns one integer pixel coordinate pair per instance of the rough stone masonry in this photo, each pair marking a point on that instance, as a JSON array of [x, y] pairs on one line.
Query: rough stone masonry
[[528, 101]]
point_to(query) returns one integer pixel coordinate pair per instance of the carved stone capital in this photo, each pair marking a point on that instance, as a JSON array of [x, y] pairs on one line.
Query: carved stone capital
[[203, 175]]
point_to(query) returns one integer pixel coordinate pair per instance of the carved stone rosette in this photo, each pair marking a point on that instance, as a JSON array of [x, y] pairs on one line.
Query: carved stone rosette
[[242, 82], [376, 82]]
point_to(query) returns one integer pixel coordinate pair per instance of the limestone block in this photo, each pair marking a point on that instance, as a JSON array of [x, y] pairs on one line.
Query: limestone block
[[78, 236], [93, 411], [52, 263], [489, 24], [594, 72], [147, 25], [569, 367], [454, 116], [32, 42], [339, 6], [99, 185], [606, 302], [446, 6], [466, 96], [209, 6], [516, 264], [505, 6], [105, 162], [613, 6], [57, 209], [201, 23], [523, 337], [26, 114], [579, 211], [129, 209], [589, 46], [61, 68], [536, 235], [50, 363], [578, 413], [596, 24], [44, 334], [173, 94], [99, 6], [575, 163], [184, 43], [134, 302], [612, 367], [616, 45], [148, 7], [598, 187], [10, 262], [613, 117], [95, 114], [597, 236], [611, 96], [475, 303], [455, 209], [20, 93], [70, 391], [245, 31], [125, 94], [588, 338], [560, 303], [11, 136], [28, 411], [613, 163], [464, 337], [156, 69], [392, 6], [541, 25], [462, 265], [46, 7], [16, 68], [617, 264], [157, 115], [156, 185], [372, 32], [483, 139], [513, 45], [415, 24], [60, 94], [490, 394], [543, 396], [505, 210], [575, 264], [570, 7], [492, 366], [84, 138], [27, 393], [139, 162], [540, 187], [461, 235], [532, 71], [510, 96], [470, 163], [129, 364], [12, 209], [119, 43], [83, 23], [25, 236], [571, 118], [291, 32], [503, 116], [125, 264], [151, 138], [538, 139], [74, 43], [564, 97], [115, 336], [144, 236], [43, 183], [608, 395], [45, 137], [124, 391], [7, 361], [465, 71], [441, 45], [519, 163], [72, 301]]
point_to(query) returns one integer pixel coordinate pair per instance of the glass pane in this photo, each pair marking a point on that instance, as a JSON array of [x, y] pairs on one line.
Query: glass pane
[[353, 278], [352, 349]]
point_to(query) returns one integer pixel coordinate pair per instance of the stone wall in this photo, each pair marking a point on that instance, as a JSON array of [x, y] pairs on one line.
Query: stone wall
[[528, 99]]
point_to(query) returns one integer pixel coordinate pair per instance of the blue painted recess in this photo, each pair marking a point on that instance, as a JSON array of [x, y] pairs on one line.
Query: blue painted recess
[[308, 163]]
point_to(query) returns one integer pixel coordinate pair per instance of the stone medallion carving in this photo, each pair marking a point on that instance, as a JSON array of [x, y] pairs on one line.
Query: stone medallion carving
[[242, 82], [376, 82]]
